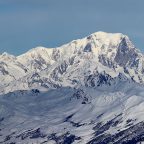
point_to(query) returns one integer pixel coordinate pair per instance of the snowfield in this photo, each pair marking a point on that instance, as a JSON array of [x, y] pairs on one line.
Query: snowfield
[[89, 91]]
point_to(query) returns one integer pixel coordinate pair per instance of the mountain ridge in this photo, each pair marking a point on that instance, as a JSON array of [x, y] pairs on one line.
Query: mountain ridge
[[113, 53]]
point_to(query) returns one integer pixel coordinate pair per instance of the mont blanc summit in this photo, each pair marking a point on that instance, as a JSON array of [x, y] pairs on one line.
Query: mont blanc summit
[[88, 91]]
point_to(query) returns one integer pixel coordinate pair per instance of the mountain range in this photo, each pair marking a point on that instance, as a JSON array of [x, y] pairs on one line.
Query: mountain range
[[88, 91]]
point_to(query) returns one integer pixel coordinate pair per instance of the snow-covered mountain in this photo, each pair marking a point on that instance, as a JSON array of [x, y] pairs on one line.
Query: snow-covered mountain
[[90, 90]]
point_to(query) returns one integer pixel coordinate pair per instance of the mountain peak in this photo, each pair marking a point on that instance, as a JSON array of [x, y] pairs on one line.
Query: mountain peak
[[106, 38], [6, 56], [102, 33]]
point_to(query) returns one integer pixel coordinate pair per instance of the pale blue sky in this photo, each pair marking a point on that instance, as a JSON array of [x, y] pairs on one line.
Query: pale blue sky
[[25, 24]]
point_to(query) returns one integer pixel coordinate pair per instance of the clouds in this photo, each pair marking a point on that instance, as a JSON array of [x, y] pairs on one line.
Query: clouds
[[27, 23]]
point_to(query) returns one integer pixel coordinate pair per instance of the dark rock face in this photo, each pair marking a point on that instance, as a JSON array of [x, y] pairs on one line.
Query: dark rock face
[[66, 138], [126, 56], [74, 124], [55, 54], [88, 48], [131, 135], [63, 67], [80, 94], [71, 60], [98, 79], [38, 63], [106, 62], [1, 119], [2, 68], [68, 118], [59, 70], [7, 138], [32, 134], [36, 91]]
